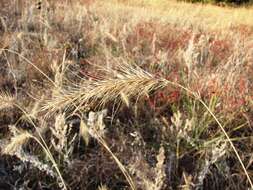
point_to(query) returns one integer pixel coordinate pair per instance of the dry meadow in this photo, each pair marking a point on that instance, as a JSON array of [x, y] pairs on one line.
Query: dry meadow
[[125, 94]]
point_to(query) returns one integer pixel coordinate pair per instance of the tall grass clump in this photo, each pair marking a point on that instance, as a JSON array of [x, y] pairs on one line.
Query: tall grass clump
[[125, 95]]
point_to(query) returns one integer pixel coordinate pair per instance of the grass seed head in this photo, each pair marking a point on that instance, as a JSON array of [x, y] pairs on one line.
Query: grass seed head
[[6, 100]]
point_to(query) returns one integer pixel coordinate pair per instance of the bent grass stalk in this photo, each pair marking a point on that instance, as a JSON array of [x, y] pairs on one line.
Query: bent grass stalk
[[29, 62], [195, 95], [163, 83], [44, 146], [120, 165]]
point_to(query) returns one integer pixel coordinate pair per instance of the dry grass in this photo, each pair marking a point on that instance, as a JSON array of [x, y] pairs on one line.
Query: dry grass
[[16, 141], [126, 94], [200, 16], [128, 82], [6, 100]]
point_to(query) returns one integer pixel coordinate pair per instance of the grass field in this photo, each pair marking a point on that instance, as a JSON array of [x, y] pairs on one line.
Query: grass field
[[125, 94]]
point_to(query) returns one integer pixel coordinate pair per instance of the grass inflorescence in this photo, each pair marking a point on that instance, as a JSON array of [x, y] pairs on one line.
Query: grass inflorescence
[[125, 95]]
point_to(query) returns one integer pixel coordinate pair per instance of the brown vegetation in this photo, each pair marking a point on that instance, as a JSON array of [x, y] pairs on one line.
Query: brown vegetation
[[125, 95]]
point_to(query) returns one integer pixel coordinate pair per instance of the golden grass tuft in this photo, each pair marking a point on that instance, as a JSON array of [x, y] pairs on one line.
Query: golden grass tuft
[[6, 100], [128, 80], [19, 139]]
